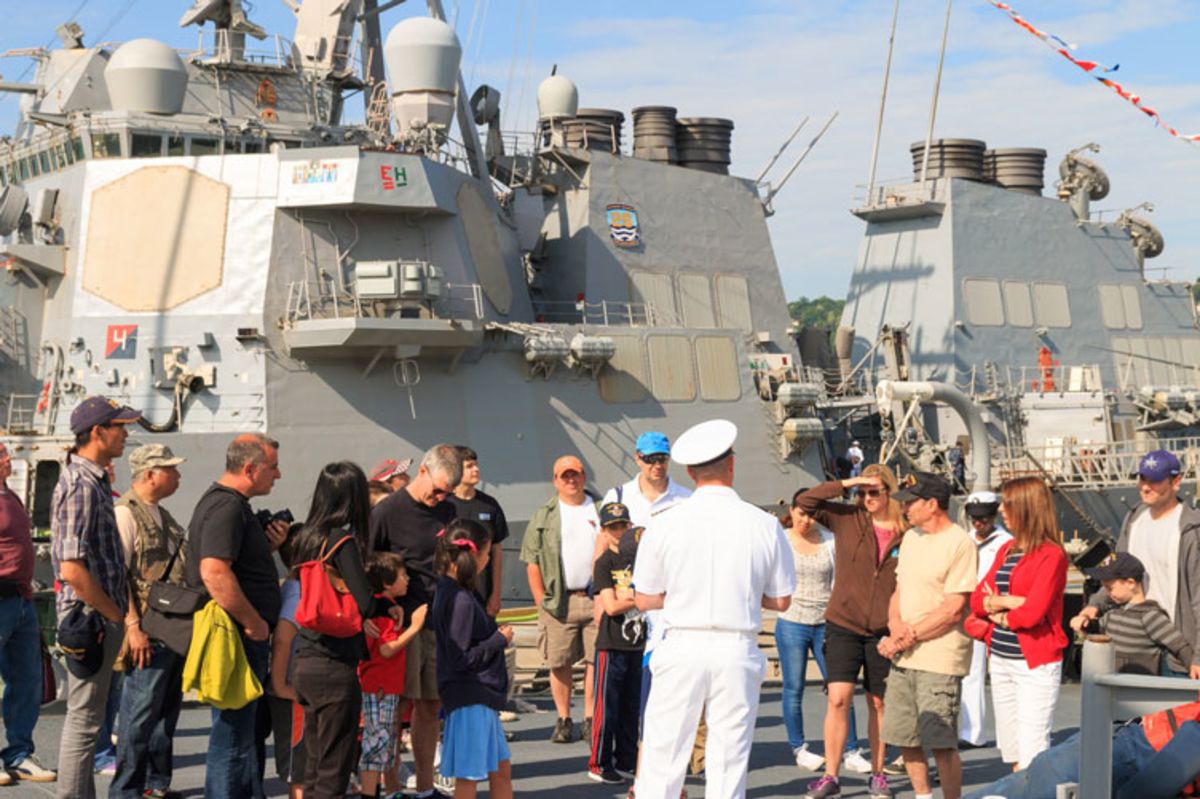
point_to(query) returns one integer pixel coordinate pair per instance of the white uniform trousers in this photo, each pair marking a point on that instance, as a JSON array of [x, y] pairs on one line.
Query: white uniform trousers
[[715, 671], [973, 710]]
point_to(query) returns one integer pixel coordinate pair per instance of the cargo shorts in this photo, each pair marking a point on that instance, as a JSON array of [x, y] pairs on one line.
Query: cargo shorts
[[566, 641], [921, 709]]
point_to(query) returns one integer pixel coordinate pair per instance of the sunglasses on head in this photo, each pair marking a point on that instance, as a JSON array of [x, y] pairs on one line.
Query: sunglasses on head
[[656, 459]]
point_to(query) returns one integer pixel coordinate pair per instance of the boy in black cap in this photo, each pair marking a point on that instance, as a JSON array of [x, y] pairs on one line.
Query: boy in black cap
[[619, 643], [1139, 627]]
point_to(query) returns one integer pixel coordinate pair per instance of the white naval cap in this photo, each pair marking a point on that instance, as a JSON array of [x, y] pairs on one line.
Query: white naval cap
[[983, 498], [704, 442]]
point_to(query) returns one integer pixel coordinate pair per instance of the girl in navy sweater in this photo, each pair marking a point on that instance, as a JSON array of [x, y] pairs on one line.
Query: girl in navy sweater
[[471, 677]]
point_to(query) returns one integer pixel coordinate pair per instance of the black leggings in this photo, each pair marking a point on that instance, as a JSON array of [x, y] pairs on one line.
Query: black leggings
[[332, 700]]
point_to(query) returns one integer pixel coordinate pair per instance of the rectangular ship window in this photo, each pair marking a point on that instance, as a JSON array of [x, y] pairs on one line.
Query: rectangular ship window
[[981, 296]]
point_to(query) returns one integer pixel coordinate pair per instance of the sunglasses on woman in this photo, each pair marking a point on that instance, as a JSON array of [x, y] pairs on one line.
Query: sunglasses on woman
[[875, 492]]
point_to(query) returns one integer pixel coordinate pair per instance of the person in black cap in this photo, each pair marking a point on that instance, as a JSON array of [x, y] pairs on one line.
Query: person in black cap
[[619, 643], [89, 562], [1164, 533], [1140, 629], [934, 579]]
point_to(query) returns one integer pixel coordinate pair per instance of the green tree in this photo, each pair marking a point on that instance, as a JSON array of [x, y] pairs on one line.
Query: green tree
[[820, 312]]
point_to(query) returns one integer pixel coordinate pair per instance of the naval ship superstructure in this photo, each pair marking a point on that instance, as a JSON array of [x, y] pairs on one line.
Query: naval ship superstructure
[[201, 235], [1026, 329]]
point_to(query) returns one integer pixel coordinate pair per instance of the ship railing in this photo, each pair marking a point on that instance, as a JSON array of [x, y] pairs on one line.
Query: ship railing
[[311, 299], [605, 313], [21, 416], [221, 46], [1091, 464], [895, 192]]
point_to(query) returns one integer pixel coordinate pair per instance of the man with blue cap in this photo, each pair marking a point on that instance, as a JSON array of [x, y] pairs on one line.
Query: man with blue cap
[[1164, 534], [647, 495], [711, 563]]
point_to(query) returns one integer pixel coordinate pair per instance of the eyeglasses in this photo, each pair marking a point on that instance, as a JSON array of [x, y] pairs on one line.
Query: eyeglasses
[[658, 459], [570, 474]]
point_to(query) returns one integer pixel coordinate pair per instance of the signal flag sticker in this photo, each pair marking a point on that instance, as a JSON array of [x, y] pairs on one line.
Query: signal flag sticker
[[121, 342], [623, 225]]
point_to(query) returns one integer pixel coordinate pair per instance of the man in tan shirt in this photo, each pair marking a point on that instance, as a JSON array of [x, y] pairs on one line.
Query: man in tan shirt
[[932, 654]]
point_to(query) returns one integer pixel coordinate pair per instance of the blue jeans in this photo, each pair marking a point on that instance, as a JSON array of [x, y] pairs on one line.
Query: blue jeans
[[150, 705], [1137, 770], [106, 751], [21, 671], [233, 770], [795, 642]]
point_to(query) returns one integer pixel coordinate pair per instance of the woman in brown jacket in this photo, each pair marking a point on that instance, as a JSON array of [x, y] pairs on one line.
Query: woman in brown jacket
[[867, 535]]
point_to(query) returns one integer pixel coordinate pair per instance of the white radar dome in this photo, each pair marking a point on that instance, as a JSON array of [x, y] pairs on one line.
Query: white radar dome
[[422, 54], [146, 75], [557, 97]]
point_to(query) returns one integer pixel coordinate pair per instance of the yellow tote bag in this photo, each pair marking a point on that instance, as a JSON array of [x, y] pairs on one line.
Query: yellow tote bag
[[216, 666]]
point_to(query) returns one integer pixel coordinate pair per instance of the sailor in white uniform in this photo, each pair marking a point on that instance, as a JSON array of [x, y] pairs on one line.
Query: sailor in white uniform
[[982, 508], [711, 563]]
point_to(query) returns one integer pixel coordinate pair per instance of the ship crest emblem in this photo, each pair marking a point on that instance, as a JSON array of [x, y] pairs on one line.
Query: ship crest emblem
[[623, 225]]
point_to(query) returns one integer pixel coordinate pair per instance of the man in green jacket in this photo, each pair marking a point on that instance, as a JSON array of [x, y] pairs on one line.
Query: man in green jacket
[[559, 548]]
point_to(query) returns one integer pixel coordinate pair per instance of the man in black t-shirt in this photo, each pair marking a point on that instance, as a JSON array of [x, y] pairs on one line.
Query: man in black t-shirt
[[409, 521], [619, 644], [230, 556], [471, 503]]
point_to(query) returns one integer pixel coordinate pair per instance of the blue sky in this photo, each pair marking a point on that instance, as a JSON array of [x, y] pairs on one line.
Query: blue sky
[[768, 63]]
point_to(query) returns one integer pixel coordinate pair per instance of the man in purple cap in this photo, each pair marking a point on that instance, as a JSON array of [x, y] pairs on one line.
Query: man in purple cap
[[89, 562], [1164, 534]]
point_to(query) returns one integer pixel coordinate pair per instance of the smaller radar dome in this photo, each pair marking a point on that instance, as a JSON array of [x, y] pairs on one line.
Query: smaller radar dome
[[146, 75], [422, 54], [557, 97]]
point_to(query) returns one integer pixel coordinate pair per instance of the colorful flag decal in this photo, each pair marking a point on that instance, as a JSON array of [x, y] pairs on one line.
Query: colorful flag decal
[[1061, 46]]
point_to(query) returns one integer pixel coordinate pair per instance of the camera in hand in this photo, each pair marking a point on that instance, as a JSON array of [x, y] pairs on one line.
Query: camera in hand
[[265, 517]]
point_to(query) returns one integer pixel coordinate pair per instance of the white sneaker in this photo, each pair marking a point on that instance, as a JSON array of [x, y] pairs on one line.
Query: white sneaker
[[856, 762], [507, 717], [810, 761], [30, 770]]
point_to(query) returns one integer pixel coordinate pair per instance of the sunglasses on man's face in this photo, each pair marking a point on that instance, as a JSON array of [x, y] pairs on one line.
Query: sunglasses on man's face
[[570, 474], [654, 460]]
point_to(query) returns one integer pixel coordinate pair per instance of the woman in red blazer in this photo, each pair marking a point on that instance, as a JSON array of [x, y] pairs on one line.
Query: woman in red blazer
[[1017, 610]]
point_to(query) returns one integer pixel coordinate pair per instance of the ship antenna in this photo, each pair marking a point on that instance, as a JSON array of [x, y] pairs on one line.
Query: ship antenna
[[937, 86], [887, 73]]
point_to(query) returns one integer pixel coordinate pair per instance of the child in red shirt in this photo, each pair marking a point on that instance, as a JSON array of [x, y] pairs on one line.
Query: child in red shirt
[[382, 676]]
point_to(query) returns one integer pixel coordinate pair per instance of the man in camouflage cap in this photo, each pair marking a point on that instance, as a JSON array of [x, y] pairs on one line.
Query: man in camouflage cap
[[152, 698]]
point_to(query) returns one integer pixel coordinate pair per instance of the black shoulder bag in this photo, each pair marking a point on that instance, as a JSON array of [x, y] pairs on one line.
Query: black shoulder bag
[[169, 610]]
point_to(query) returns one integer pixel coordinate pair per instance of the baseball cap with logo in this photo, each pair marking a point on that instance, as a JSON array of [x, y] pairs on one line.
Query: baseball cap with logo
[[923, 485], [614, 513], [99, 410], [152, 456], [1120, 566], [568, 463], [1158, 465]]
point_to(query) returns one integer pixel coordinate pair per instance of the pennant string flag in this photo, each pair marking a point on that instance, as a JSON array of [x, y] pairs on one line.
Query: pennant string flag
[[1062, 46]]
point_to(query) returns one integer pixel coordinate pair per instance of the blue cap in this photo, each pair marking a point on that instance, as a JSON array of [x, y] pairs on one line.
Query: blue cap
[[1158, 465], [99, 410], [653, 444]]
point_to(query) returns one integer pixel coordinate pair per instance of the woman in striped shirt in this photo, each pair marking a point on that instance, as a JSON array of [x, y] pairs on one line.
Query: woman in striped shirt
[[1017, 610]]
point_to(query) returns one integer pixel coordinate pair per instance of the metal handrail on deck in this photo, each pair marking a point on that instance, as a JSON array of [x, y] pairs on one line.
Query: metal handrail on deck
[[1106, 697], [312, 299], [1074, 463], [605, 313]]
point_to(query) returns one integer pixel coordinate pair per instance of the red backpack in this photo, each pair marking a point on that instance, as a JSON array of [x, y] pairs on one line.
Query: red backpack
[[324, 608]]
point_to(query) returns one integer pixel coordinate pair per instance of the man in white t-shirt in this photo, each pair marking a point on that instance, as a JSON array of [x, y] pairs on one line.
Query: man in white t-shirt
[[557, 550], [1164, 534]]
